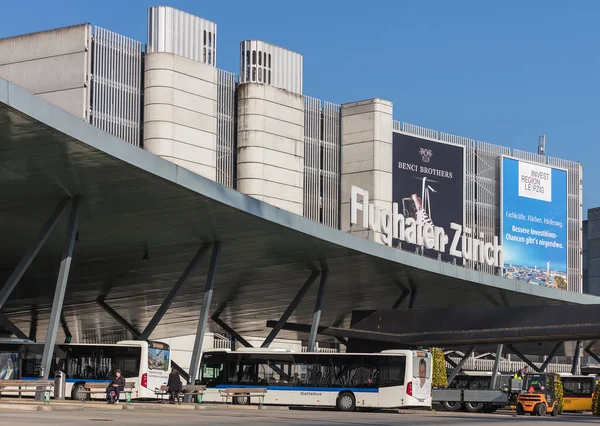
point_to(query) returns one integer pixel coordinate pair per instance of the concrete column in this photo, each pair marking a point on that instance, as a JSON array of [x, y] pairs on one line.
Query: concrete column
[[270, 151], [366, 157], [180, 112]]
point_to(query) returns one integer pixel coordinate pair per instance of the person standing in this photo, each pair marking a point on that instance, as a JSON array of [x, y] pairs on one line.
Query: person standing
[[174, 386]]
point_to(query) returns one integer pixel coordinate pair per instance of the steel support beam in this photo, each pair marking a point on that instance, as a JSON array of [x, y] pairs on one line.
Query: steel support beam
[[110, 311], [164, 307], [576, 359], [449, 361], [290, 309], [61, 286], [413, 295], [32, 252], [457, 369], [589, 351], [523, 358], [133, 330], [10, 326], [312, 337], [201, 330], [231, 331], [401, 299], [550, 357], [342, 341], [496, 366]]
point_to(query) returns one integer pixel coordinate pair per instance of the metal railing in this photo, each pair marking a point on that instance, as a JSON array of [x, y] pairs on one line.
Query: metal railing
[[506, 365]]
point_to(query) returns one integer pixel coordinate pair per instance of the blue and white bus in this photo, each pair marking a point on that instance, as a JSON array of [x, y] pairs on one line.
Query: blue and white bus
[[389, 379], [145, 363]]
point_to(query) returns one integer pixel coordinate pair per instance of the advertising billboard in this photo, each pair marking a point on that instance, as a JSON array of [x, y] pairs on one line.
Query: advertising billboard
[[534, 223], [428, 185]]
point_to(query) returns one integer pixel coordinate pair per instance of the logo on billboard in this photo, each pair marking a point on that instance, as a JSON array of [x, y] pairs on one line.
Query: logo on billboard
[[425, 154], [535, 181]]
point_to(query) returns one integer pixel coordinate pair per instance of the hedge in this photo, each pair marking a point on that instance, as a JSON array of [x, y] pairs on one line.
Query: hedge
[[596, 400], [439, 379]]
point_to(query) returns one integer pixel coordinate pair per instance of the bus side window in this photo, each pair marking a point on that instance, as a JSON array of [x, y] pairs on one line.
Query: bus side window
[[391, 370]]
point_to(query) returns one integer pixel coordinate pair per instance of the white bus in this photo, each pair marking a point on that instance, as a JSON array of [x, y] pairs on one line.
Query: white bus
[[389, 379], [145, 363]]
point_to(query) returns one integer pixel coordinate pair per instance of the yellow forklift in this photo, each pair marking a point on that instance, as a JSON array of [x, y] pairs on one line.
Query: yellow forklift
[[538, 397]]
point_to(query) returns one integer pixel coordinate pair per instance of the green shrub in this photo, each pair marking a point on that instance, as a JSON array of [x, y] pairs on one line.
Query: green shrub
[[596, 400], [439, 379]]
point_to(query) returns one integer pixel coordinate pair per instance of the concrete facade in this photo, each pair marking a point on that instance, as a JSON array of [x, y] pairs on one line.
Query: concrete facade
[[54, 65], [270, 145], [180, 112], [366, 157]]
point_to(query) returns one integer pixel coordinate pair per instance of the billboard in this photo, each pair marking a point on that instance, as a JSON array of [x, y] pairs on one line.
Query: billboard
[[428, 185], [534, 223]]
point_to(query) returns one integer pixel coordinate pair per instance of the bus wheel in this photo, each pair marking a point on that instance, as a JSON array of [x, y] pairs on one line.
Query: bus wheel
[[451, 405], [78, 392], [241, 400], [474, 407], [346, 402]]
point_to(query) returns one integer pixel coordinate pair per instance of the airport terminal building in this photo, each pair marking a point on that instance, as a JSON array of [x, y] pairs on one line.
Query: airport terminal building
[[455, 212]]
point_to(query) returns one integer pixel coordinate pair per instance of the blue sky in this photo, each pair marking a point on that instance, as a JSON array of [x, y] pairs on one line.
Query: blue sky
[[500, 72]]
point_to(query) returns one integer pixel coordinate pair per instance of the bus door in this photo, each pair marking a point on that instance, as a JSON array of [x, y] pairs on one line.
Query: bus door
[[392, 381]]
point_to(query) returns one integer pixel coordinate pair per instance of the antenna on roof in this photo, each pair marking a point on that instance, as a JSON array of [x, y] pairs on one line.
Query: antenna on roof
[[542, 144]]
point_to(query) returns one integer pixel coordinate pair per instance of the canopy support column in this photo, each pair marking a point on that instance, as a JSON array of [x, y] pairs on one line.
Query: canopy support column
[[312, 338], [576, 359], [208, 293], [59, 293], [164, 307], [457, 369], [290, 309], [550, 357], [496, 366]]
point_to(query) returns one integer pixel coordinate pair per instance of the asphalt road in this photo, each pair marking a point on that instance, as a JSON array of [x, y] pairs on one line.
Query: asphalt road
[[288, 418]]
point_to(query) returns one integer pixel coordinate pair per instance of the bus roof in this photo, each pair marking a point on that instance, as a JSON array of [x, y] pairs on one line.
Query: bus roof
[[289, 351]]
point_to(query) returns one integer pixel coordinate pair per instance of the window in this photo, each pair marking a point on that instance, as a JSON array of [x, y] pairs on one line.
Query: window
[[205, 37], [260, 74], [247, 57], [254, 57], [392, 370], [265, 75], [204, 54], [212, 369], [209, 39], [269, 60], [253, 73], [209, 56], [577, 387], [259, 57], [269, 76]]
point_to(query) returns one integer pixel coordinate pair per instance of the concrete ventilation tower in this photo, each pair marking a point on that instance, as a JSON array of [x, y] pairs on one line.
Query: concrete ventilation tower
[[180, 98], [270, 132]]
